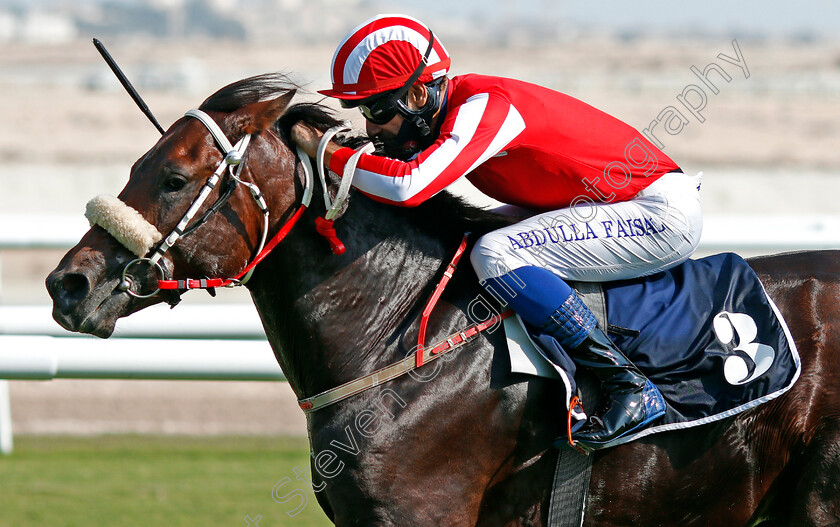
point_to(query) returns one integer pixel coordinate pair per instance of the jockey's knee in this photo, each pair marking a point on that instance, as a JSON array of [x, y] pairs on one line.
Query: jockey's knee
[[488, 258]]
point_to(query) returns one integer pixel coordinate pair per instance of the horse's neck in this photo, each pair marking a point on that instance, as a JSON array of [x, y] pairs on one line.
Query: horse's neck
[[332, 319]]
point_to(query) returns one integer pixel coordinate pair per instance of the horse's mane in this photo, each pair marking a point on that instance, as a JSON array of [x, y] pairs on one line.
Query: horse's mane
[[442, 213], [248, 91]]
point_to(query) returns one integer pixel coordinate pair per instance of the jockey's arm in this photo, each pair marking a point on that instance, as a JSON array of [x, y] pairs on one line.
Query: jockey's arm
[[473, 132]]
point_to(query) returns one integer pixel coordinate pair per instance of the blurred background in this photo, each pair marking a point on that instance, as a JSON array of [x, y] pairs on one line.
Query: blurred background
[[768, 143]]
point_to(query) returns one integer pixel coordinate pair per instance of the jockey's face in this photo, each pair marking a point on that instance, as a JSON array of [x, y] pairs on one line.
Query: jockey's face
[[387, 130], [416, 99]]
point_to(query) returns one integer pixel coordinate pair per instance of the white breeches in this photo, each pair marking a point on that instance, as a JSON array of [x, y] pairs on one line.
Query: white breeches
[[657, 229]]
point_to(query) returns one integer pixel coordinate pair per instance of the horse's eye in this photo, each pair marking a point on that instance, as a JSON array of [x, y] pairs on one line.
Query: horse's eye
[[174, 183]]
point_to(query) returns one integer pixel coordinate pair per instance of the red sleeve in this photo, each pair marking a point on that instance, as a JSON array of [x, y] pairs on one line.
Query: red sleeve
[[472, 133], [339, 159]]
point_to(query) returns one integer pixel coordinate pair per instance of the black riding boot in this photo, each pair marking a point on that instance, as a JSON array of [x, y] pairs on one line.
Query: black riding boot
[[630, 400]]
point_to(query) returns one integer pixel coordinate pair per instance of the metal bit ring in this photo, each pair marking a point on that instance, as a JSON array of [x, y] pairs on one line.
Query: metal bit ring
[[126, 282]]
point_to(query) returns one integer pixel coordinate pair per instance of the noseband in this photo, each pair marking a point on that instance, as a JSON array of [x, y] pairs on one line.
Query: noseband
[[138, 235]]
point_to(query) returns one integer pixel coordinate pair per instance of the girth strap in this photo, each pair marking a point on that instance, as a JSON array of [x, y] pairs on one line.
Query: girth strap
[[592, 294], [569, 489]]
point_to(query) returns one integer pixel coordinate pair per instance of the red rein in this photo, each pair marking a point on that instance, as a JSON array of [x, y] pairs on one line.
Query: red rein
[[222, 282]]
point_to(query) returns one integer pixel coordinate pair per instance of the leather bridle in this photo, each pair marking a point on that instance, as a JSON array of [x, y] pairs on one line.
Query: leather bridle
[[233, 163]]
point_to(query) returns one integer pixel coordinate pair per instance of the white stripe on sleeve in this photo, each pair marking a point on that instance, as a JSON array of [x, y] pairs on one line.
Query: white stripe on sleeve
[[470, 114], [513, 126], [401, 189]]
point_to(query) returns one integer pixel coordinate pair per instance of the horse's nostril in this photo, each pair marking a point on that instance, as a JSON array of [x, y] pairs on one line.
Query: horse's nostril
[[72, 287]]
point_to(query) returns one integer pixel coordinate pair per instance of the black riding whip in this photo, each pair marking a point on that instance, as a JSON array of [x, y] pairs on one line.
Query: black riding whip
[[126, 84]]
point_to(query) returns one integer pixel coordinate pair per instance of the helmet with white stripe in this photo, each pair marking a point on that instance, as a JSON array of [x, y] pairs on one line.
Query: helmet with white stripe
[[381, 55]]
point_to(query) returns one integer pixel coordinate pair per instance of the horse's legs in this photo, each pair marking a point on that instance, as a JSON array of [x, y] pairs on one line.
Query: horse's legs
[[816, 497]]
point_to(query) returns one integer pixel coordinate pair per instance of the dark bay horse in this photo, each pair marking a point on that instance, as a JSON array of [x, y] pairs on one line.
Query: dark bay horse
[[462, 442]]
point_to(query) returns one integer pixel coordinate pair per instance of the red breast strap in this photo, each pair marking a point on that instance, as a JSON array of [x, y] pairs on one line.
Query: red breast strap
[[461, 336], [383, 375], [427, 312]]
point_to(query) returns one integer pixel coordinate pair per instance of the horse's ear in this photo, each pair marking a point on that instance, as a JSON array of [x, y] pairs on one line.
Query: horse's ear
[[260, 116]]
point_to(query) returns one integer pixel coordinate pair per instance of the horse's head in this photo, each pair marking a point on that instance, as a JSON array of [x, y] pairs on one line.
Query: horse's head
[[117, 263]]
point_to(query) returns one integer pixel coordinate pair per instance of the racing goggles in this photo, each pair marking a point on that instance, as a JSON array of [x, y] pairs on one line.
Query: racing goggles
[[380, 109]]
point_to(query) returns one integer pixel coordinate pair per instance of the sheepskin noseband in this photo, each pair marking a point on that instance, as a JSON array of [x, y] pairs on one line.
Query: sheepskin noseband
[[124, 223]]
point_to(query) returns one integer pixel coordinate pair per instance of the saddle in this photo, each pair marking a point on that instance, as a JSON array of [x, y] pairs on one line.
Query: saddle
[[704, 332]]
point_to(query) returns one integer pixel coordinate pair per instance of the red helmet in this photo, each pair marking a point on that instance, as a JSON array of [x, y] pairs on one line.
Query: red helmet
[[381, 54]]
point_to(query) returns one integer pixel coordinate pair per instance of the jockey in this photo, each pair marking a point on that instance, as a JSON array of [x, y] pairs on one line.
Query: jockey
[[606, 203]]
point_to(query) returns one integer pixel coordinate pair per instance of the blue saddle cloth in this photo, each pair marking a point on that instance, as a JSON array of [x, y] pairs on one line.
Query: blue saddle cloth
[[706, 333]]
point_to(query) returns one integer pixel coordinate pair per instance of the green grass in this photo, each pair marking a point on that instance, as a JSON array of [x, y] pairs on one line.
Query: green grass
[[150, 480]]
